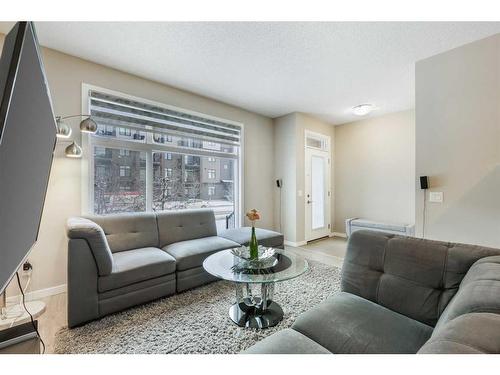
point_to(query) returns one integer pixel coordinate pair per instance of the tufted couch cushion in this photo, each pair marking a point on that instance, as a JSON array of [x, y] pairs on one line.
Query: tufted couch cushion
[[265, 237], [129, 230], [191, 253], [479, 291], [474, 333], [177, 226], [411, 276], [346, 323]]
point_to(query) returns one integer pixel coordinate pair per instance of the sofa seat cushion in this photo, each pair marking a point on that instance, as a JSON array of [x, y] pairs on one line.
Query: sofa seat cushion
[[346, 323], [191, 253], [136, 265], [287, 341], [264, 237]]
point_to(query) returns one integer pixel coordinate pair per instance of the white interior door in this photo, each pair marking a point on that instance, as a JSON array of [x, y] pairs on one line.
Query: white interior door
[[317, 193]]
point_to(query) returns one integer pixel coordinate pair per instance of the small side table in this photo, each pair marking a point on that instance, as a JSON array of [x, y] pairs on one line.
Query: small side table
[[16, 332]]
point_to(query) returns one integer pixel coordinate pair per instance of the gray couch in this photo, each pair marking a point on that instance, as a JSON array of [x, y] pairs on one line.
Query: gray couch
[[118, 261], [403, 295]]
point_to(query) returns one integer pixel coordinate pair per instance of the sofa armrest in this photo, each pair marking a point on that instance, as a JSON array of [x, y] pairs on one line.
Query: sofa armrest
[[83, 300], [81, 228]]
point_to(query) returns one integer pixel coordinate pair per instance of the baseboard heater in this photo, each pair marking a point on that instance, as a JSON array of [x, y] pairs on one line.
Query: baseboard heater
[[354, 224]]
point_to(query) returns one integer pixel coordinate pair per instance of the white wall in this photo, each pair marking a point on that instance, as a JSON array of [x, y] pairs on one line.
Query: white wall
[[285, 160], [65, 76], [375, 169], [458, 142]]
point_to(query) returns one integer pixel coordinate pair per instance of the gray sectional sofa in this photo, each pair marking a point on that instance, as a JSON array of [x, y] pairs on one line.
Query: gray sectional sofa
[[118, 261], [403, 295]]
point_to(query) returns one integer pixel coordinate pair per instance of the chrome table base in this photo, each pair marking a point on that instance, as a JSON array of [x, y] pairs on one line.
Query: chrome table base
[[253, 311]]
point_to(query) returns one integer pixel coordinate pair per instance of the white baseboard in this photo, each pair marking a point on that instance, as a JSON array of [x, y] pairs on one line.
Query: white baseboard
[[38, 294], [295, 244], [339, 234]]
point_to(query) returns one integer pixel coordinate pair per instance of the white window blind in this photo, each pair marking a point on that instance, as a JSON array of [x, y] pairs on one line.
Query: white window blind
[[149, 156], [111, 110]]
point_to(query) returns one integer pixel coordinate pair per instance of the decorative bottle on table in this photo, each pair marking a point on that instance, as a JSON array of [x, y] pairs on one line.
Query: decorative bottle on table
[[253, 215]]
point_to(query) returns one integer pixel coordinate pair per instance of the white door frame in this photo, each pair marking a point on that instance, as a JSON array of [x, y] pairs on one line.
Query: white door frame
[[325, 151]]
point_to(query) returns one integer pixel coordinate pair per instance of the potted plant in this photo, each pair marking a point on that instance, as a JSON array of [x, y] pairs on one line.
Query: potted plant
[[253, 215]]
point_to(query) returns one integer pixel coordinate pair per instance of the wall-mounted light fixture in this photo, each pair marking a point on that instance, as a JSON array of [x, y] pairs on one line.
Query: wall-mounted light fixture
[[73, 151], [87, 125], [63, 129]]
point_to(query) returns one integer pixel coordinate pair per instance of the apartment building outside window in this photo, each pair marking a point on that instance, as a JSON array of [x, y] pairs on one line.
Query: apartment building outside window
[[137, 167], [124, 171]]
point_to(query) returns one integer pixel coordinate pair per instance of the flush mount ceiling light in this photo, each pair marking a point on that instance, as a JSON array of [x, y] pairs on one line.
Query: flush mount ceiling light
[[362, 109]]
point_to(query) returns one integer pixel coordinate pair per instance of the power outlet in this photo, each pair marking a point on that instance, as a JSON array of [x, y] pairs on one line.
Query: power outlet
[[27, 268]]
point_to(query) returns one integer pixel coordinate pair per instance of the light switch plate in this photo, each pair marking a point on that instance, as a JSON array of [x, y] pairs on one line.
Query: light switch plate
[[436, 196]]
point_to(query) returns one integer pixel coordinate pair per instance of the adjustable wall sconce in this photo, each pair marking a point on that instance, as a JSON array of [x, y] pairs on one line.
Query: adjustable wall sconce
[[87, 125]]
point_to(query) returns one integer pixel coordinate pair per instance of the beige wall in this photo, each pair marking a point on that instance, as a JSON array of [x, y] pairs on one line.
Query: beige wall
[[458, 142], [290, 167], [285, 160], [65, 75], [375, 169]]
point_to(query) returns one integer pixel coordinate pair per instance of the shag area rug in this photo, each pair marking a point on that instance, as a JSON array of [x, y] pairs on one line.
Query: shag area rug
[[196, 321]]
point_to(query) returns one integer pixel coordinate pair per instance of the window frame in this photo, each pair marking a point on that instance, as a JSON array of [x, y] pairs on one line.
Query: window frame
[[150, 147]]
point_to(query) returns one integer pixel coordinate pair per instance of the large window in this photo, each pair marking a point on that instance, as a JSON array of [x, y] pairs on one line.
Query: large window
[[119, 185], [148, 157]]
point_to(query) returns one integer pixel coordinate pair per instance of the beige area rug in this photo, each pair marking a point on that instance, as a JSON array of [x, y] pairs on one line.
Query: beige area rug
[[196, 321]]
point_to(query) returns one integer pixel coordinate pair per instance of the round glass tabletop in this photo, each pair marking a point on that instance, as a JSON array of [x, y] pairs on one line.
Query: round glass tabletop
[[228, 267]]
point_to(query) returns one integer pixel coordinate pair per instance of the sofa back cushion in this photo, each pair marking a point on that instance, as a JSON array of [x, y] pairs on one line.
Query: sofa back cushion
[[412, 276], [129, 230], [474, 333], [479, 291], [176, 226]]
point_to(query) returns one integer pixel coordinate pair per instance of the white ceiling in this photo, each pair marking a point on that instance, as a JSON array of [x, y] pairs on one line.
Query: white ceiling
[[271, 68]]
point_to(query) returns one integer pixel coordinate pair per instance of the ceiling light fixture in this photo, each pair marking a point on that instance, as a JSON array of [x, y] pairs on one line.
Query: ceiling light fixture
[[362, 109]]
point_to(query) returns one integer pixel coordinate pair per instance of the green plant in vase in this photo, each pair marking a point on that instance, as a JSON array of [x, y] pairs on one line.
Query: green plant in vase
[[253, 215]]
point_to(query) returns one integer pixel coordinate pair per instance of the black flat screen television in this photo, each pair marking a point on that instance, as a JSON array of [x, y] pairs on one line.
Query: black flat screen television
[[27, 141]]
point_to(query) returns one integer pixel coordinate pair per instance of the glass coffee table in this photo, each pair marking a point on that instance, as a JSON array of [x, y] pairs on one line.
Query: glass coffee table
[[254, 306]]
